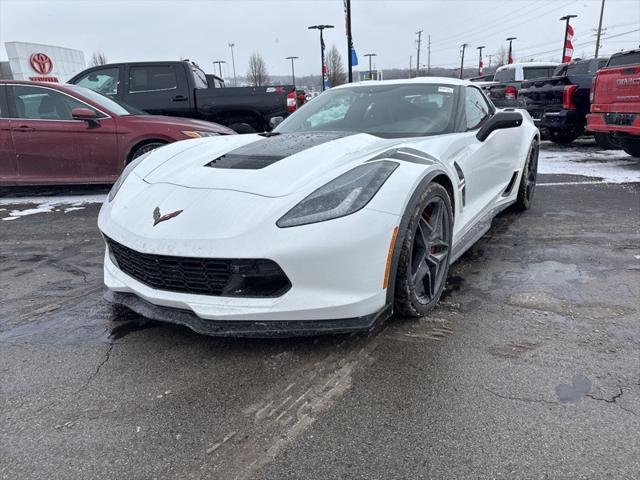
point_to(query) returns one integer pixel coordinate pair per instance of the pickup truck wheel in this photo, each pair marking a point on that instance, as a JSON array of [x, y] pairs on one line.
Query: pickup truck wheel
[[607, 141], [631, 145], [562, 137], [144, 148]]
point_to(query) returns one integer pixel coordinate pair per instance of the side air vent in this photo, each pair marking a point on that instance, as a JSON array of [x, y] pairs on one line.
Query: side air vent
[[462, 185], [512, 182]]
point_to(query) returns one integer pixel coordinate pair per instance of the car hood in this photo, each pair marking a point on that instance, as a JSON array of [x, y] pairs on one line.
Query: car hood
[[177, 122], [270, 166]]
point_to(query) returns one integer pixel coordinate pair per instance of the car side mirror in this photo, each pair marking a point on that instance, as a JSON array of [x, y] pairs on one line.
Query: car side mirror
[[501, 119], [275, 121], [85, 114]]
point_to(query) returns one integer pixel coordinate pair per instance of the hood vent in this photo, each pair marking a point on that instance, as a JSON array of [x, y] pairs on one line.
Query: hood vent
[[269, 150]]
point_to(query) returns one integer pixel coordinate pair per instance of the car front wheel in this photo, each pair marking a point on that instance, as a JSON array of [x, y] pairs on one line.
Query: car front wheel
[[528, 179], [425, 254]]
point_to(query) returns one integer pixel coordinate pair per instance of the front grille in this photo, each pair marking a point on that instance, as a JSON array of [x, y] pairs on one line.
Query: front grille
[[621, 119], [201, 276]]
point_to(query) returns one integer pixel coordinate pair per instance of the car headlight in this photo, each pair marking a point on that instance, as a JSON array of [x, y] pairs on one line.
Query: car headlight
[[125, 173], [342, 196], [197, 134]]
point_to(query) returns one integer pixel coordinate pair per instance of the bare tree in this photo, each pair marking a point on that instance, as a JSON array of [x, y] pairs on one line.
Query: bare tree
[[98, 58], [502, 56], [335, 73], [257, 75]]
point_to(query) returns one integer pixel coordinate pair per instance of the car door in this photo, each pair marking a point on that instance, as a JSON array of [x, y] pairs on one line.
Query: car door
[[159, 89], [486, 167], [8, 170], [52, 147]]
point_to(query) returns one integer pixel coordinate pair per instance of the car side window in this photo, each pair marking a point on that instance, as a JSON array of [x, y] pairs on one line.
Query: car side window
[[476, 108], [40, 103], [104, 81], [152, 79]]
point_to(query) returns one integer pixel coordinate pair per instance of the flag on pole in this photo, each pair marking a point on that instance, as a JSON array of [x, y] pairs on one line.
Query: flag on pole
[[510, 58], [354, 57], [568, 52], [481, 66]]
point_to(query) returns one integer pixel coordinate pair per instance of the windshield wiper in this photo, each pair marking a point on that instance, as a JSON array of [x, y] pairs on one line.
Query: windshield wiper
[[269, 134]]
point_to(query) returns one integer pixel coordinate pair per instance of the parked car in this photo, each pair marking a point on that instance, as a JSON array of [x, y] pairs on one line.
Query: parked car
[[503, 91], [483, 78], [63, 134], [615, 101], [182, 89], [559, 105]]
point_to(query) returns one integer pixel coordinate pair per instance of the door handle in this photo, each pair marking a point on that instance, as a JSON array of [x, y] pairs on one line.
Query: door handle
[[179, 98], [23, 128]]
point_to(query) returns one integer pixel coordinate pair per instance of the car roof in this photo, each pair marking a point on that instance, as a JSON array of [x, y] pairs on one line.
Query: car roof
[[527, 64], [409, 81]]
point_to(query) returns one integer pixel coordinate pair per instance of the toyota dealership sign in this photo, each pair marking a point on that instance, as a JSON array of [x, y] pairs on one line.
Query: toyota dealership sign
[[44, 63]]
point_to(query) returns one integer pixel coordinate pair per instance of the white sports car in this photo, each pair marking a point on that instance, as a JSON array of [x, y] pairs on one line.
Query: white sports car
[[351, 209]]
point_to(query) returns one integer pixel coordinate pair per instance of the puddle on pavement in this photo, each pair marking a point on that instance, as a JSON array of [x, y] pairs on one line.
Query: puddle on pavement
[[580, 386]]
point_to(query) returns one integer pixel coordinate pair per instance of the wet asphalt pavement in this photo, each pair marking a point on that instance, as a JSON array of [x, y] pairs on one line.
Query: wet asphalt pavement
[[529, 368]]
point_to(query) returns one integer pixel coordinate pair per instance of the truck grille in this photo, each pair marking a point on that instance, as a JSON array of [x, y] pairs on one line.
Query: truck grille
[[201, 276], [621, 119]]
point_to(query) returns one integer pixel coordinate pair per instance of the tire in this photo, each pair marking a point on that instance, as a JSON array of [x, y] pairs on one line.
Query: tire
[[562, 137], [631, 145], [425, 253], [527, 186], [607, 141], [145, 148]]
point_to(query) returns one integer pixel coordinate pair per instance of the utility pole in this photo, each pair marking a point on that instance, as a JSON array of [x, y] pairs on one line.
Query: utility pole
[[370, 71], [566, 32], [429, 56], [347, 4], [510, 40], [490, 57], [219, 62], [410, 60], [464, 46], [418, 57], [233, 61], [480, 65], [324, 70], [293, 71], [599, 28]]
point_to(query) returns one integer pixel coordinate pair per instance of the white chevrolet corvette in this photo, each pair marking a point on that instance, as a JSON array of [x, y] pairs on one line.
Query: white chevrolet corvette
[[351, 209]]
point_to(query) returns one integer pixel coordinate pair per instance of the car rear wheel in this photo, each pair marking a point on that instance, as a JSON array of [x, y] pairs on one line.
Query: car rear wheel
[[142, 149], [607, 141], [527, 186], [631, 145], [425, 254]]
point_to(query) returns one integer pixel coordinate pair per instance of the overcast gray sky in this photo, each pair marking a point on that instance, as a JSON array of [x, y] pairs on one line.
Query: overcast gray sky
[[133, 30]]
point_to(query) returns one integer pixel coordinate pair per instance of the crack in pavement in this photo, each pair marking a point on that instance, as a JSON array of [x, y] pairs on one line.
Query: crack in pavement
[[107, 356], [613, 399]]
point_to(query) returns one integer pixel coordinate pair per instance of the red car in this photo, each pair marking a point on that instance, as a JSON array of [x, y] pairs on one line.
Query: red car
[[63, 134]]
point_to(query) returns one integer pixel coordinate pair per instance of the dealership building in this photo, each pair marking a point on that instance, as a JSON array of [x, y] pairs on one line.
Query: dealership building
[[44, 63]]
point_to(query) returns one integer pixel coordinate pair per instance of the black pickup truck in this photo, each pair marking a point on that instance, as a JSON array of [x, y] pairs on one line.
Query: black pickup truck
[[559, 105], [182, 89], [507, 81]]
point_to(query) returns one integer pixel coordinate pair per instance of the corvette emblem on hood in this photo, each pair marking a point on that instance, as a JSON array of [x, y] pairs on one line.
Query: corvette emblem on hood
[[157, 218]]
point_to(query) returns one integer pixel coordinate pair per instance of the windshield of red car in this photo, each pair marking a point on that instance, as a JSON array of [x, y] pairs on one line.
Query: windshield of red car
[[115, 107]]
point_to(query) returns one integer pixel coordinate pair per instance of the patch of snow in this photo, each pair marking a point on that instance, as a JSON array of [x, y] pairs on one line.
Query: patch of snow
[[48, 204], [612, 166]]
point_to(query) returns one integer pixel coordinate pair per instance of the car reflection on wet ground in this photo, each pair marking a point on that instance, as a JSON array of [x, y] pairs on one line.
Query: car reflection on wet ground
[[529, 367]]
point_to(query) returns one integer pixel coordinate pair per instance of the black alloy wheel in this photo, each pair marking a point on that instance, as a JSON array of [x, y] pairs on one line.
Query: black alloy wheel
[[425, 255], [529, 177]]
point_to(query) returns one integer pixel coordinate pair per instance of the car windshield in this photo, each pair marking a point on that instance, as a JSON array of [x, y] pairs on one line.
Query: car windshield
[[116, 107], [388, 111]]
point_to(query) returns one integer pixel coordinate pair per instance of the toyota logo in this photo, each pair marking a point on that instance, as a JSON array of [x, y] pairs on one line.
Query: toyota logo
[[41, 63]]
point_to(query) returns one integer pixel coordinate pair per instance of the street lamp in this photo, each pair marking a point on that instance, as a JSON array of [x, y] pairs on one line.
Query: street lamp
[[566, 31], [370, 71], [219, 62], [510, 40], [321, 28], [233, 61], [463, 46], [293, 71]]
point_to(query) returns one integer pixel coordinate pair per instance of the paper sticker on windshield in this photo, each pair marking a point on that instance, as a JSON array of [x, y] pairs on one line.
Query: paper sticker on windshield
[[445, 90]]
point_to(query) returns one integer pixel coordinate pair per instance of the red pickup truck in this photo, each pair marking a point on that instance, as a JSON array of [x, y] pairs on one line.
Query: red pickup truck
[[615, 101]]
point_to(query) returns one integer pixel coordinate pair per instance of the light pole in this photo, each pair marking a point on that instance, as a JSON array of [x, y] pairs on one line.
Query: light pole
[[321, 28], [219, 62], [566, 32], [480, 63], [599, 29], [463, 46], [233, 62], [370, 71], [347, 7], [510, 40], [293, 71]]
